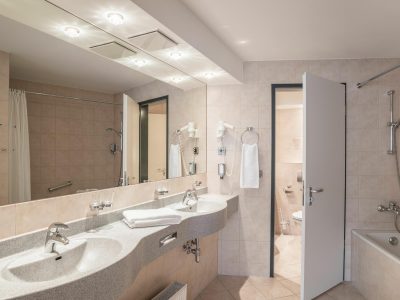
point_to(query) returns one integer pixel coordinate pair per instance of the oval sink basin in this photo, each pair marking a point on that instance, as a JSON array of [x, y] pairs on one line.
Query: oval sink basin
[[79, 256], [201, 206]]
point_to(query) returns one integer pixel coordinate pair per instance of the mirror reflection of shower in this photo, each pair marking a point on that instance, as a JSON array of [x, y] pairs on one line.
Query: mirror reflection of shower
[[192, 137], [114, 148]]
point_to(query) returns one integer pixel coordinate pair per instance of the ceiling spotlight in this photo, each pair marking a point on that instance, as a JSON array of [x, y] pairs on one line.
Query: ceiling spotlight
[[115, 18], [209, 75], [72, 32], [175, 54], [140, 62], [177, 79]]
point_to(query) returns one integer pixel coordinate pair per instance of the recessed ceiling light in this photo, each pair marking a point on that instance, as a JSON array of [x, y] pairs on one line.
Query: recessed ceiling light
[[175, 54], [72, 32], [140, 62], [115, 18], [177, 79], [243, 42], [209, 75]]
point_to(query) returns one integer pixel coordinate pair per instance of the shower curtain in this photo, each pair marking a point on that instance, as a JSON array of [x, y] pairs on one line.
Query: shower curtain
[[19, 158]]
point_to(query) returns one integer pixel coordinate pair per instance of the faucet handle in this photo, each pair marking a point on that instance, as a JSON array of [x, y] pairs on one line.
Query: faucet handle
[[107, 203], [55, 227], [381, 208], [196, 184]]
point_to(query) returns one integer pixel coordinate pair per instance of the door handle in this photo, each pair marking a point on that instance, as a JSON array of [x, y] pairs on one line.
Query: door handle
[[311, 191]]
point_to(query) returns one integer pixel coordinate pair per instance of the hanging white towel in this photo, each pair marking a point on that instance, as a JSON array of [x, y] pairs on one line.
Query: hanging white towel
[[174, 161], [249, 168]]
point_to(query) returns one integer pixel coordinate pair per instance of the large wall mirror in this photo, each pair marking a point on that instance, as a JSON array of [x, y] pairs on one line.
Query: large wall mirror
[[82, 109]]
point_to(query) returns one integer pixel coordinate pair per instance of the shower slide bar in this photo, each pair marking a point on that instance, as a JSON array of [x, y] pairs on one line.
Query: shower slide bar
[[361, 84], [63, 185]]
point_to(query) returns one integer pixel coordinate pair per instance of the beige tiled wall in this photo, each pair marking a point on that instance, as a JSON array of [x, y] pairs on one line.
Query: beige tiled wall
[[4, 83], [244, 243], [34, 215], [68, 140], [178, 266]]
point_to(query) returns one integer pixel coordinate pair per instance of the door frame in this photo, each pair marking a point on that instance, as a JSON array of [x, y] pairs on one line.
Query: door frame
[[144, 149], [274, 87]]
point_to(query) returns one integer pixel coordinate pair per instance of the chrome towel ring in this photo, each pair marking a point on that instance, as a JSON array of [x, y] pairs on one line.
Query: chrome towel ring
[[250, 130]]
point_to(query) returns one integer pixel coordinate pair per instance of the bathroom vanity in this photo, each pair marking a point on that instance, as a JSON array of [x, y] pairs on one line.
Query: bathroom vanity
[[102, 262]]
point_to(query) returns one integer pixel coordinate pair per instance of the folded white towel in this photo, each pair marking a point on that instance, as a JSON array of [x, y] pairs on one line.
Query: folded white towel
[[174, 161], [153, 222], [249, 168], [133, 215]]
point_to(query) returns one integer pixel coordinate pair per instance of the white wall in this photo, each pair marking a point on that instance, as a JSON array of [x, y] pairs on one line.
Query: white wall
[[244, 243]]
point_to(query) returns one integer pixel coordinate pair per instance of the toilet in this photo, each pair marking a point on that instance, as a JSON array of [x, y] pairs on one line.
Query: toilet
[[298, 215]]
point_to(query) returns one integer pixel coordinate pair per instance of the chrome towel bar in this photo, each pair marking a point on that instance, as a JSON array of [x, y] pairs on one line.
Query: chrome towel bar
[[63, 185]]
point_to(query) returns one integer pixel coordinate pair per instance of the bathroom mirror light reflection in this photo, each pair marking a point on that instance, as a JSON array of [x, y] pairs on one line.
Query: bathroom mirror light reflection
[[74, 120]]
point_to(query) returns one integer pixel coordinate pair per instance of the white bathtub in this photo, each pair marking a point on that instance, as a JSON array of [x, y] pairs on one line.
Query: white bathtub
[[375, 267]]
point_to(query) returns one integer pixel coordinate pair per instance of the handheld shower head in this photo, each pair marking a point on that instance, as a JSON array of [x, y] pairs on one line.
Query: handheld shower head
[[115, 131], [389, 93]]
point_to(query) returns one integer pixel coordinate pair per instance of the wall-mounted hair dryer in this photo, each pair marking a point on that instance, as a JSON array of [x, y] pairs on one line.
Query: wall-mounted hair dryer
[[190, 128], [220, 133], [221, 128]]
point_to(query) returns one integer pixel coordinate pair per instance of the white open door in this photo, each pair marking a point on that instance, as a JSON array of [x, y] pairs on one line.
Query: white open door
[[130, 157], [324, 185]]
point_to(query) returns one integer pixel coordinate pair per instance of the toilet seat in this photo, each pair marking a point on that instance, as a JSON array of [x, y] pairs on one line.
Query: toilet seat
[[298, 215]]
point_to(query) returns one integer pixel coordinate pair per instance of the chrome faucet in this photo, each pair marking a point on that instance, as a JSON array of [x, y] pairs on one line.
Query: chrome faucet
[[393, 208], [54, 236], [97, 206], [190, 194], [160, 192]]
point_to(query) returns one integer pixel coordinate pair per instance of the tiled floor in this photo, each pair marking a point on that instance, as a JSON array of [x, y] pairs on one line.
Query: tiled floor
[[288, 256], [263, 288]]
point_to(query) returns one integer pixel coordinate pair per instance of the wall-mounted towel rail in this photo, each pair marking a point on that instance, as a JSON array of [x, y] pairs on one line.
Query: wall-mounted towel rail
[[63, 185], [249, 130]]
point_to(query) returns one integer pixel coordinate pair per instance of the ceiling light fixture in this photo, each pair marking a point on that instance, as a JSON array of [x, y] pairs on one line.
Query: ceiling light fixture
[[115, 18], [71, 31], [175, 55], [140, 62], [209, 75], [177, 79]]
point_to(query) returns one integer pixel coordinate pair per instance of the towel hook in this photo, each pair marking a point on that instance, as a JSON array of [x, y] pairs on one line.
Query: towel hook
[[249, 130]]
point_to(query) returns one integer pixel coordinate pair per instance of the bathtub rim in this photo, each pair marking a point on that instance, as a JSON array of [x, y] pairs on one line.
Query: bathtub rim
[[362, 234]]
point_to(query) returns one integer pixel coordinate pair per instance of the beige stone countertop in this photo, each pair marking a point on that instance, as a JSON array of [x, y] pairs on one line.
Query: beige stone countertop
[[115, 274]]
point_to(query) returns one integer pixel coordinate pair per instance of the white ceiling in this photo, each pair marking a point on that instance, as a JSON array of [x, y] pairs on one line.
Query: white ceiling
[[36, 56], [260, 30], [137, 21]]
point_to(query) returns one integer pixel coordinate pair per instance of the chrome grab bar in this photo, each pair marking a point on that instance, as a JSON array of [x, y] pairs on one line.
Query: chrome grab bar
[[63, 185]]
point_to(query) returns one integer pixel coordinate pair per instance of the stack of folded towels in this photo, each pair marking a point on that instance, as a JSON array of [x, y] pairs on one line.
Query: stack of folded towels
[[136, 218]]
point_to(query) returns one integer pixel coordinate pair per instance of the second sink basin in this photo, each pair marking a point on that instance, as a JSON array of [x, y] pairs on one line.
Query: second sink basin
[[80, 255], [202, 206]]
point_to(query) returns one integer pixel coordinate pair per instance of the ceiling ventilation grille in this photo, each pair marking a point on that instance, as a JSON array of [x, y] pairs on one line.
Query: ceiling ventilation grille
[[152, 41], [113, 50]]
